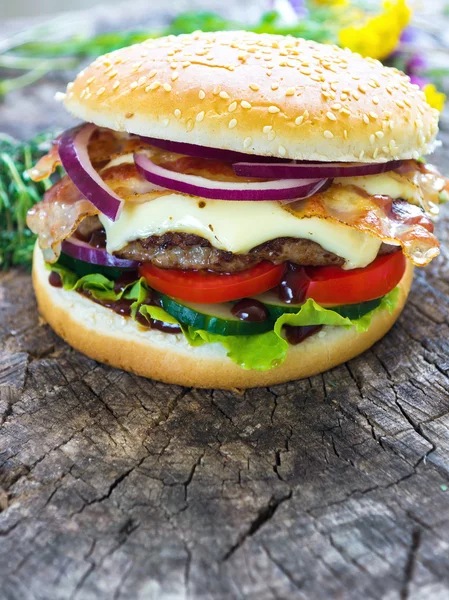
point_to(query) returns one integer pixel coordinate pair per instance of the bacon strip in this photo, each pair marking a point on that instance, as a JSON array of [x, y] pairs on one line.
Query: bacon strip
[[57, 216], [392, 221]]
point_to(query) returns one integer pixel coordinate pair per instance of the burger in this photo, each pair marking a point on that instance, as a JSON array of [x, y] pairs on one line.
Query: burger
[[237, 209]]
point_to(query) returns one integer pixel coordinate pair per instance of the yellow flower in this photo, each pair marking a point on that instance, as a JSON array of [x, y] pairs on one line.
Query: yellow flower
[[379, 35], [435, 98]]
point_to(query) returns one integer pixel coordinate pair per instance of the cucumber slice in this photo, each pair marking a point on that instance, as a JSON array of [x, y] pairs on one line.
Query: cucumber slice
[[215, 318], [276, 307], [82, 268]]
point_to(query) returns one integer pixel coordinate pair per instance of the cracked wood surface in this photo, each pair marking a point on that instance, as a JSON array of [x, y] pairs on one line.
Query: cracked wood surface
[[113, 486]]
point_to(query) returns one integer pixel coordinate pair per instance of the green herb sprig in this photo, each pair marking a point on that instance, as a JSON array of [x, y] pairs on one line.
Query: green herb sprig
[[18, 193]]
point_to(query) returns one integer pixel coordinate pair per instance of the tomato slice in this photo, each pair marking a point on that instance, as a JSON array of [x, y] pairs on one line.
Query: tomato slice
[[212, 288], [334, 285]]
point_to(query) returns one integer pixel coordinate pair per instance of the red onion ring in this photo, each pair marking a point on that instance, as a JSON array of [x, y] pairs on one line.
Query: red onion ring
[[219, 190], [95, 256], [75, 160], [205, 151], [311, 169]]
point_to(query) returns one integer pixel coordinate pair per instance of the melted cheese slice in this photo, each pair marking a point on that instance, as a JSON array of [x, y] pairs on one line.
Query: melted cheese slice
[[235, 226]]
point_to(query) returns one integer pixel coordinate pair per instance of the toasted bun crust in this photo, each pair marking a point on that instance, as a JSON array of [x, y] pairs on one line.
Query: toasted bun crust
[[259, 94], [120, 342]]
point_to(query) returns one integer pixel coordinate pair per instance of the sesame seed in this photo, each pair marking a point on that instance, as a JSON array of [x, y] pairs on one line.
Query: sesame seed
[[362, 88], [391, 124], [400, 103], [201, 94], [345, 134], [372, 138], [133, 85], [331, 116], [232, 123], [101, 91], [274, 86], [254, 87], [328, 134], [388, 114], [216, 90], [200, 116], [89, 81], [362, 154], [186, 64], [273, 109], [177, 113], [290, 91], [224, 95], [355, 96], [142, 80], [375, 100], [267, 128], [247, 142], [190, 125], [376, 152], [282, 151], [306, 114], [167, 87], [245, 104], [232, 106], [153, 86], [366, 119], [336, 106], [343, 97], [407, 102], [116, 84], [373, 115], [305, 71], [379, 134], [271, 136], [152, 74], [299, 120]]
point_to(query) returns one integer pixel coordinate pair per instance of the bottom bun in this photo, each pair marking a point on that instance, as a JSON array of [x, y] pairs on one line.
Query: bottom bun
[[120, 342]]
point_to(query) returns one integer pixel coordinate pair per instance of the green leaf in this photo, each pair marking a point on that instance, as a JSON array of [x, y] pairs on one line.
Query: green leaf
[[259, 352], [157, 313]]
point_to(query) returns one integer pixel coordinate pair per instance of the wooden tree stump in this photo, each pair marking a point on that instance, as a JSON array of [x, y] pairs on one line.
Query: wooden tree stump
[[113, 486]]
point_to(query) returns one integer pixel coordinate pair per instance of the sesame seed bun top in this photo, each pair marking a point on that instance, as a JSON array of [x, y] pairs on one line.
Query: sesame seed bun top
[[260, 94]]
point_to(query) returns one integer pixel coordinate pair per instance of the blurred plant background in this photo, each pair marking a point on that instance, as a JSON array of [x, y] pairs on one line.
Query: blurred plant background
[[380, 29]]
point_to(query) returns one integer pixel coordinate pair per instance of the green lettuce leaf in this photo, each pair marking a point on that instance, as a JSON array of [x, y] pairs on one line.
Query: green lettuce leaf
[[267, 350], [260, 352]]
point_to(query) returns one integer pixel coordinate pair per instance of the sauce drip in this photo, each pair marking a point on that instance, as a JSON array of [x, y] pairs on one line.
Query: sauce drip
[[296, 335], [55, 279], [250, 310], [292, 288]]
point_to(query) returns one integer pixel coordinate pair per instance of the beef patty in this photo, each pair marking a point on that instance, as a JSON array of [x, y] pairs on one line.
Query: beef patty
[[190, 251]]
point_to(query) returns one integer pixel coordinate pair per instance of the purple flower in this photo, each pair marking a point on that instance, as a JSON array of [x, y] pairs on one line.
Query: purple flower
[[415, 64], [409, 35], [419, 81], [299, 7], [289, 9]]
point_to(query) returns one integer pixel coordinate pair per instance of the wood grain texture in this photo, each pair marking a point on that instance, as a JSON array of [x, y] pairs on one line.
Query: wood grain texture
[[112, 486]]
